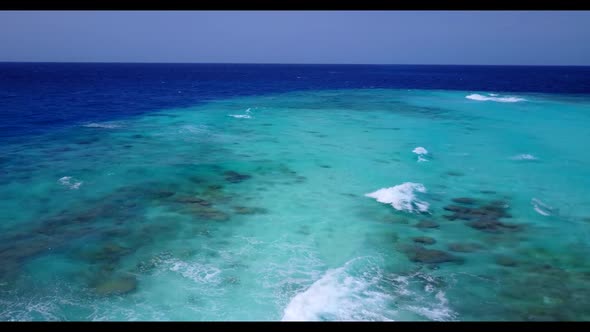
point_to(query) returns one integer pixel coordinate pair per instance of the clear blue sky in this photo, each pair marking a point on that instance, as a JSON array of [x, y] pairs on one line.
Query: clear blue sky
[[389, 37]]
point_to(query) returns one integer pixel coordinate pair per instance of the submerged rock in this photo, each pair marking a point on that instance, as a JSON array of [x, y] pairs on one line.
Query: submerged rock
[[65, 218], [283, 169], [208, 213], [115, 249], [454, 173], [116, 286], [484, 217], [196, 179], [115, 232], [424, 224], [249, 210], [108, 268], [215, 194], [300, 178], [424, 240], [304, 230], [13, 255], [493, 226], [162, 194], [394, 237], [457, 209], [193, 200], [464, 247], [464, 200], [429, 256], [235, 177], [111, 252], [505, 261], [87, 141]]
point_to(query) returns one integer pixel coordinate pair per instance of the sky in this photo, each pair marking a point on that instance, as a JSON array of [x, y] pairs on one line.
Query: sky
[[323, 37]]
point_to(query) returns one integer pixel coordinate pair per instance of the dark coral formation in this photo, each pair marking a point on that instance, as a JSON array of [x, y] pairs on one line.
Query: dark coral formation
[[424, 240], [249, 210], [110, 253], [427, 224], [454, 173], [464, 247], [464, 200], [208, 213], [492, 226], [235, 177], [115, 285], [193, 200], [485, 217], [420, 254], [505, 261]]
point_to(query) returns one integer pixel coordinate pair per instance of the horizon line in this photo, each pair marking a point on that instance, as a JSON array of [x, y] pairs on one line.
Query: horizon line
[[301, 64]]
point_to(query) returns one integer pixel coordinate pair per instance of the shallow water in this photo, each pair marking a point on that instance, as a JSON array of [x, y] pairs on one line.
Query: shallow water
[[268, 207]]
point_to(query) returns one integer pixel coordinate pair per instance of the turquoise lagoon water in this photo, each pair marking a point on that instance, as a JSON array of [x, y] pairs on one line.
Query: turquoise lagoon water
[[371, 204]]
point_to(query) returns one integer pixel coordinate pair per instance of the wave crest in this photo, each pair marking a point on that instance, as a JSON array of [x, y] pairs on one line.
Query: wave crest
[[70, 183], [340, 296], [420, 150], [242, 116], [524, 156], [494, 97], [542, 208], [402, 197]]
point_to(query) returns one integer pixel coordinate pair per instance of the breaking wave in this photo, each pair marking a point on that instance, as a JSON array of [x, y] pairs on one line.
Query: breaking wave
[[494, 97], [402, 197]]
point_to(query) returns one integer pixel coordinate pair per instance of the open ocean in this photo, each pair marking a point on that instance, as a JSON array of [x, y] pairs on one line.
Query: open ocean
[[294, 192]]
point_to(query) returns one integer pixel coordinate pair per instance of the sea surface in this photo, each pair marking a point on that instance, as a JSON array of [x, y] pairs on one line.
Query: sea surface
[[210, 192]]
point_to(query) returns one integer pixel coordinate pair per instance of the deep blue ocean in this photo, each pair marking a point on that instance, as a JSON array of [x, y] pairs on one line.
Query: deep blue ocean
[[294, 192], [39, 96]]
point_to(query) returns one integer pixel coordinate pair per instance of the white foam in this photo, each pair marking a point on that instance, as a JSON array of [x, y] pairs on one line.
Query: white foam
[[494, 97], [240, 116], [438, 312], [524, 157], [67, 181], [200, 273], [106, 125], [541, 212], [421, 159], [542, 208], [339, 296], [420, 150], [430, 303], [402, 197]]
